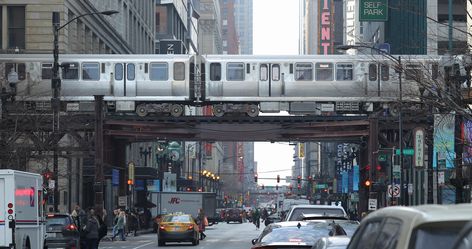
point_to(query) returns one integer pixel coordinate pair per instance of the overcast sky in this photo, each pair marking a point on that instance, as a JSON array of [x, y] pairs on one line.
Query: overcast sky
[[275, 32]]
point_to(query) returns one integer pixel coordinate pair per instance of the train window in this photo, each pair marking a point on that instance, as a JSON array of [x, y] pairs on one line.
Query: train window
[[130, 71], [70, 71], [235, 71], [372, 72], [119, 71], [90, 71], [159, 71], [215, 71], [434, 71], [344, 71], [324, 71], [276, 72], [303, 71], [384, 72], [19, 68], [179, 71], [264, 73], [46, 71], [413, 72]]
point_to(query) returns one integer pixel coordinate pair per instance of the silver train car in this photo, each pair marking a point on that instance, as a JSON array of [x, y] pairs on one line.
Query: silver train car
[[248, 84]]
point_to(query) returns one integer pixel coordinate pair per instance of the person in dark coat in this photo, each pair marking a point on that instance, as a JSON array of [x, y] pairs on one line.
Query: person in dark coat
[[92, 230], [201, 223]]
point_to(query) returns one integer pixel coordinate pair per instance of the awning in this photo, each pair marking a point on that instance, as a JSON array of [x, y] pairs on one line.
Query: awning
[[145, 173]]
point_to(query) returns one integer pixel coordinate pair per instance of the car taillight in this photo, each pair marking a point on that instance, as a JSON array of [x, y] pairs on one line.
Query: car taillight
[[162, 227], [190, 227], [71, 227]]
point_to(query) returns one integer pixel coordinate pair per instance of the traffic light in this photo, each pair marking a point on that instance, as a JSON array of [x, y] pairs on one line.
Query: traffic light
[[276, 187], [130, 182], [299, 186], [255, 178], [310, 179], [291, 188], [299, 179], [367, 183], [278, 178], [262, 186]]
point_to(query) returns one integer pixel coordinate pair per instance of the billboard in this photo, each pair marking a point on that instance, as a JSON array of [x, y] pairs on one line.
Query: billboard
[[325, 27], [443, 149]]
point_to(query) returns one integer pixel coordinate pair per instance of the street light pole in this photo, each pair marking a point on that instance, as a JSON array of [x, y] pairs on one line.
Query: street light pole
[[56, 87], [400, 100]]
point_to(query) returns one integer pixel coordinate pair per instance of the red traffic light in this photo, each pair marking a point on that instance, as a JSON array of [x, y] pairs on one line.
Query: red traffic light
[[378, 168], [367, 167], [299, 186], [299, 179]]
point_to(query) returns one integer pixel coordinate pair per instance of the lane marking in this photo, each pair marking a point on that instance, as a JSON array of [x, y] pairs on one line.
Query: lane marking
[[143, 245]]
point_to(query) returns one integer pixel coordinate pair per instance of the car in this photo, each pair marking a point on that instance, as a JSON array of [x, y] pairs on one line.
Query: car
[[61, 232], [272, 219], [298, 212], [420, 227], [177, 228], [296, 234], [464, 239], [332, 242], [234, 214]]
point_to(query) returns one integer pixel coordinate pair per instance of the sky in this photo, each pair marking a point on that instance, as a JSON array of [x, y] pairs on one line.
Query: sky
[[275, 27]]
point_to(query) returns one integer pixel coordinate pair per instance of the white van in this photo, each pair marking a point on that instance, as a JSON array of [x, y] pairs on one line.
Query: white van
[[21, 210]]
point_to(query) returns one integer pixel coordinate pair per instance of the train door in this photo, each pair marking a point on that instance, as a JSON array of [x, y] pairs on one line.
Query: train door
[[270, 83], [125, 80]]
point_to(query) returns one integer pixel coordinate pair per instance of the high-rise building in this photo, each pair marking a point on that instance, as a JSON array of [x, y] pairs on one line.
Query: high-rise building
[[209, 35], [228, 28], [27, 26], [244, 19]]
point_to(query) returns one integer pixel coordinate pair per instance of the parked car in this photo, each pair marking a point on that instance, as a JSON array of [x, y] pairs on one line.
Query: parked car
[[333, 242], [419, 227], [296, 234], [464, 239], [299, 211], [234, 214], [177, 228], [61, 232]]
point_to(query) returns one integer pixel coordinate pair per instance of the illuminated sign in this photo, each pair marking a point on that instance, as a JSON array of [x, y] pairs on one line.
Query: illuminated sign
[[325, 30]]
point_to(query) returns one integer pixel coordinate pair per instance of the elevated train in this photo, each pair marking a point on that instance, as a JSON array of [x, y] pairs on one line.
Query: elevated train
[[145, 84]]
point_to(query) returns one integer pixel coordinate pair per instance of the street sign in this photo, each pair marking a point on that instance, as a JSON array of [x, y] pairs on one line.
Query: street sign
[[397, 169], [382, 157], [372, 204], [122, 201], [441, 177], [373, 10], [393, 191], [419, 147], [384, 47], [410, 188], [52, 184], [406, 152]]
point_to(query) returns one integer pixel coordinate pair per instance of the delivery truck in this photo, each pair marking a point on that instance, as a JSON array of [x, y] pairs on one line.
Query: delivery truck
[[185, 202], [22, 223]]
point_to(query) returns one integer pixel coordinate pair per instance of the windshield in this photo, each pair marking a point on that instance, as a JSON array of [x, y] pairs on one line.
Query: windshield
[[305, 234], [58, 221], [298, 213], [436, 236]]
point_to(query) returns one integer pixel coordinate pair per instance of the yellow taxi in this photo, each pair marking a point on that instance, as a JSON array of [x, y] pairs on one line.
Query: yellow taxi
[[177, 228]]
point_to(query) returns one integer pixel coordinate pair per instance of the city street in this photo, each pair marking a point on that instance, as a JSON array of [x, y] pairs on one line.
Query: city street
[[222, 235]]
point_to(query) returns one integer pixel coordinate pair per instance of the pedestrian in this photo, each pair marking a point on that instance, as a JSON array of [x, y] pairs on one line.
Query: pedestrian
[[120, 226], [256, 218], [91, 230], [133, 222], [81, 217], [201, 223], [116, 212]]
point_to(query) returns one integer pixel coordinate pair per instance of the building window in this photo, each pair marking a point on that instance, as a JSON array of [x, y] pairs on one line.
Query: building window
[[16, 26]]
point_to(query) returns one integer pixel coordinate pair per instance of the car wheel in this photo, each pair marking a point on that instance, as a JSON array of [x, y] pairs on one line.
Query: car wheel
[[161, 243]]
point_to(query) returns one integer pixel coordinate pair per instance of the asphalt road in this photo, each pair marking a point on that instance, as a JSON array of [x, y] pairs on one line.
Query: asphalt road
[[222, 235]]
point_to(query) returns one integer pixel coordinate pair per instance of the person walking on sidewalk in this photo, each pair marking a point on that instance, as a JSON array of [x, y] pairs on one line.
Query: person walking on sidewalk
[[120, 227], [91, 230]]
